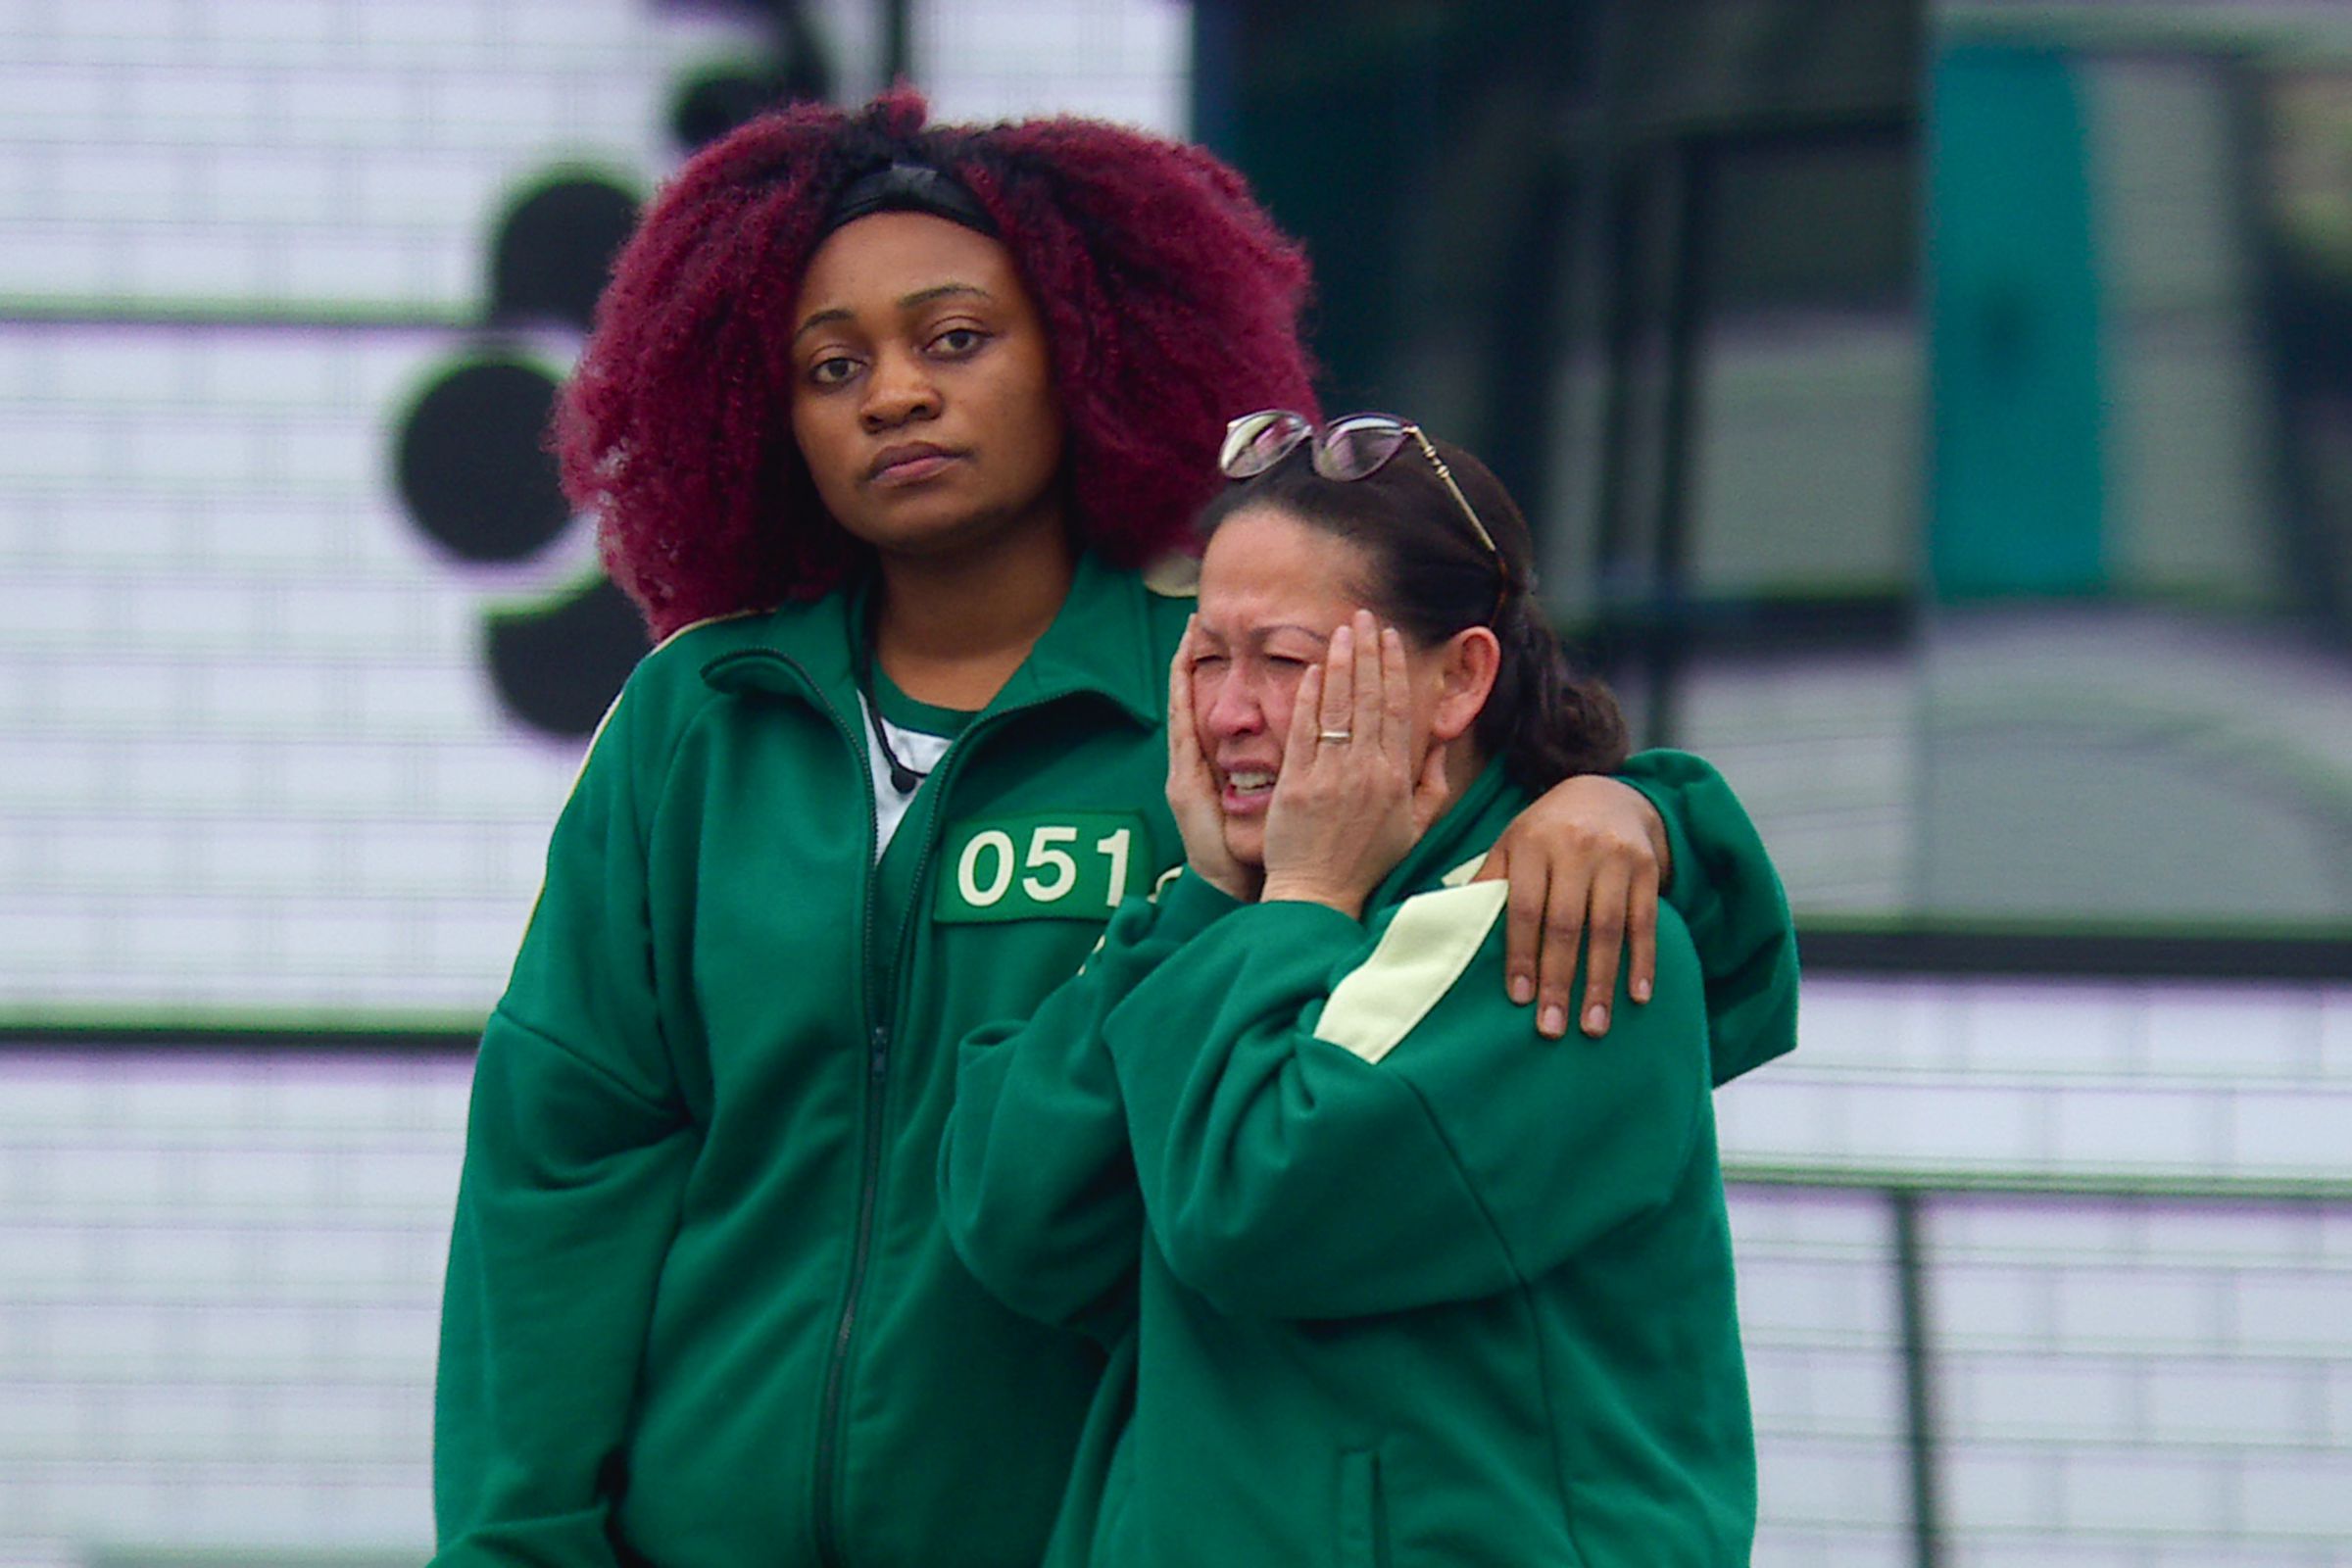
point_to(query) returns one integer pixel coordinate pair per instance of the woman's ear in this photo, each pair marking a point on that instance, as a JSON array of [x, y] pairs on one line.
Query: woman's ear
[[1466, 669]]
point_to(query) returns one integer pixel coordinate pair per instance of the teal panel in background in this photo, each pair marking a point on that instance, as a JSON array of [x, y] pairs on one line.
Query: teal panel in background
[[2017, 490]]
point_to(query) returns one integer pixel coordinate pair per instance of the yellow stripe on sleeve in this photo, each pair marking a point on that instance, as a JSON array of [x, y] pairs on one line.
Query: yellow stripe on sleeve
[[1461, 874], [1422, 953]]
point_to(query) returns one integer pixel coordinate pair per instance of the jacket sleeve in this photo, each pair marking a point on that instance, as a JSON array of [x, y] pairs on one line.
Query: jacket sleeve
[[1036, 1184], [1326, 1126], [1730, 901], [577, 1151]]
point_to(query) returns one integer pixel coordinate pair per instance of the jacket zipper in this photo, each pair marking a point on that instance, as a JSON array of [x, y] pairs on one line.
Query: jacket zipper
[[823, 1524], [830, 1433], [837, 1361]]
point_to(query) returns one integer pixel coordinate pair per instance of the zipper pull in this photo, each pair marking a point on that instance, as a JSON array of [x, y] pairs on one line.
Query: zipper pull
[[879, 1062]]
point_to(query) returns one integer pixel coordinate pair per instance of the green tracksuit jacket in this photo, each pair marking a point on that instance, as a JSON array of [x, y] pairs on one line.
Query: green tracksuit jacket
[[700, 1309], [1409, 1285]]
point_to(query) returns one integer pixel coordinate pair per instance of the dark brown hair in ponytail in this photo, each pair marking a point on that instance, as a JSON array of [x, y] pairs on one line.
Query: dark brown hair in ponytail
[[1434, 578]]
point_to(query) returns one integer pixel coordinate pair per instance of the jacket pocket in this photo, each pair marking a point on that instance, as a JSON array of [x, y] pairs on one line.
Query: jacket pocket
[[1361, 1540]]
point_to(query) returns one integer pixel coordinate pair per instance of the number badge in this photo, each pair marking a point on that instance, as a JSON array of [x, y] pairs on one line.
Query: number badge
[[1068, 867]]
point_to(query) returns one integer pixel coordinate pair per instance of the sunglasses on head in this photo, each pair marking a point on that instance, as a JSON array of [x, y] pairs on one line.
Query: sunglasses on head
[[1349, 448]]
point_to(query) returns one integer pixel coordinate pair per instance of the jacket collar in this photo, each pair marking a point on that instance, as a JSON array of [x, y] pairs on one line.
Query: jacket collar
[[1448, 840], [1101, 643]]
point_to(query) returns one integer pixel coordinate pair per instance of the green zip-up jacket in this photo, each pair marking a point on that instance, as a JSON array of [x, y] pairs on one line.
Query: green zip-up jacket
[[1410, 1287], [700, 1309]]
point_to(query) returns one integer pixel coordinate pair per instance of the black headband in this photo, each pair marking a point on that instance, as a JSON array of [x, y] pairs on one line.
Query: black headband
[[909, 188]]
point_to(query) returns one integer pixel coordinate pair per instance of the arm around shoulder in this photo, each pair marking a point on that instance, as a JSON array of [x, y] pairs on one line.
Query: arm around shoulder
[[1729, 897]]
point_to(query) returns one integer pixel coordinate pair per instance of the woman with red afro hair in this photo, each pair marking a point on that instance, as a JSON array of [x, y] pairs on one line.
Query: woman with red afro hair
[[881, 423], [1169, 304]]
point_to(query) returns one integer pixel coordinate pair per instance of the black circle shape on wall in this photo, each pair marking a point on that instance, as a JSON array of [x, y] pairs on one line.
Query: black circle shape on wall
[[471, 466], [558, 663], [553, 249], [709, 103]]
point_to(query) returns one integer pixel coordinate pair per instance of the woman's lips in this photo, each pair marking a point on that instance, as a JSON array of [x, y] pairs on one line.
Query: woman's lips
[[1246, 791], [911, 465]]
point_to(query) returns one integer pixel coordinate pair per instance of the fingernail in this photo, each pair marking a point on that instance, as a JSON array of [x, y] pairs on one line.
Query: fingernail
[[1597, 1019], [1554, 1021], [1523, 989], [1640, 991]]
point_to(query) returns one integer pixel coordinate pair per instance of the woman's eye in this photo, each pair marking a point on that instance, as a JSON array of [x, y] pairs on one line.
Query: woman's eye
[[833, 370], [1287, 662], [957, 341], [1209, 662]]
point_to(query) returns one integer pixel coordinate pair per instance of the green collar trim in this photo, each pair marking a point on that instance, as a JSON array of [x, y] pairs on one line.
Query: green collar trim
[[1101, 642], [908, 712]]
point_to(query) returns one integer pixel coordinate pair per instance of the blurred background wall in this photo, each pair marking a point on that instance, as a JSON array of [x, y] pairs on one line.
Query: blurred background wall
[[1938, 413]]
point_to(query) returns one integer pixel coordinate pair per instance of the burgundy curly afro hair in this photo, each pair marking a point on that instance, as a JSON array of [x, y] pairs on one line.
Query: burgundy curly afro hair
[[1171, 300]]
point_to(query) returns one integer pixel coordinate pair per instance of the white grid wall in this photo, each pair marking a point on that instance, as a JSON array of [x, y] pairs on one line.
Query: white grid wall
[[256, 764], [2122, 1379], [297, 156], [221, 1279]]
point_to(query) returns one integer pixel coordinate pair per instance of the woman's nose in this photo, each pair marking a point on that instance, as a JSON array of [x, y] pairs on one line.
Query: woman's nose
[[1233, 708], [899, 389]]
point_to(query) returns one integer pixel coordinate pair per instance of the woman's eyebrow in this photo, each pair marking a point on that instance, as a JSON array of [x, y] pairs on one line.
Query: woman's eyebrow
[[838, 312], [907, 302], [924, 296]]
